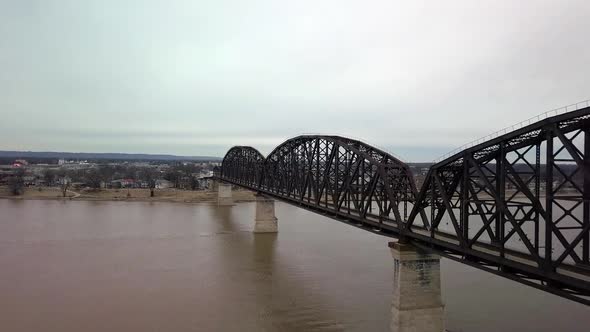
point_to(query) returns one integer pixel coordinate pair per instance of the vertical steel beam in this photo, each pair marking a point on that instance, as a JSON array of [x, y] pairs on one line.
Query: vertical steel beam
[[432, 205], [549, 200], [501, 190], [586, 198], [465, 201], [537, 174]]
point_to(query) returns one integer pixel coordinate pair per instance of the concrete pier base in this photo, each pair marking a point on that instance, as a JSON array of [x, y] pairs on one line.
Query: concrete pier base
[[265, 221], [417, 303], [224, 196], [213, 185]]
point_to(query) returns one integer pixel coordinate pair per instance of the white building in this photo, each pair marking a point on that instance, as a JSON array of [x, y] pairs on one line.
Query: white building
[[163, 184]]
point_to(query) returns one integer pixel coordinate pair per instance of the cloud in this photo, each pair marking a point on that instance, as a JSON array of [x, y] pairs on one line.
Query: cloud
[[190, 77]]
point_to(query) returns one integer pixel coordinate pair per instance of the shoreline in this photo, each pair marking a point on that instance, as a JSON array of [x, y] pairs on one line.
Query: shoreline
[[121, 195]]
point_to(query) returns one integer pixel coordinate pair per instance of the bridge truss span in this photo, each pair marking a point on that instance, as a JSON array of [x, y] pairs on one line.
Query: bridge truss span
[[517, 206], [342, 176], [330, 174], [243, 164]]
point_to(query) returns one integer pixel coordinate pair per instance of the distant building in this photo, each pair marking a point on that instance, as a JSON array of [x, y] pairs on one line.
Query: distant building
[[123, 183], [5, 174], [29, 180], [163, 184], [20, 163], [64, 180]]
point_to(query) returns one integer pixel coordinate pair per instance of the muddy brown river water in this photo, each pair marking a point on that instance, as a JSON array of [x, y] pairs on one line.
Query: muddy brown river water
[[135, 266]]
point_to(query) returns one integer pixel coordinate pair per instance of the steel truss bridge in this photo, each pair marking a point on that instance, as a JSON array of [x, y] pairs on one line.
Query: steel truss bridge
[[517, 205]]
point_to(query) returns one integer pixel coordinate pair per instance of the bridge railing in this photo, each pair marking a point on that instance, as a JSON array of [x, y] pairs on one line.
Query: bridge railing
[[524, 123]]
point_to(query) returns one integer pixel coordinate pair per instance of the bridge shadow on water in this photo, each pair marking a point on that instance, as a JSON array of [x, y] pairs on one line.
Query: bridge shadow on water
[[277, 296], [284, 295]]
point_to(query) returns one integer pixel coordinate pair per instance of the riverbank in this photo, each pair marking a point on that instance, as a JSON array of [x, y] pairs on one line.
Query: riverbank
[[141, 195]]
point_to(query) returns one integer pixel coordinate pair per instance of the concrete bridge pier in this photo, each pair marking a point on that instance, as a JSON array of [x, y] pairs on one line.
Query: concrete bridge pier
[[265, 221], [224, 195], [417, 303], [213, 185]]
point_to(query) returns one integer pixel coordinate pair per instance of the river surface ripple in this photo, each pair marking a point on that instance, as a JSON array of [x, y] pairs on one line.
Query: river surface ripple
[[136, 266]]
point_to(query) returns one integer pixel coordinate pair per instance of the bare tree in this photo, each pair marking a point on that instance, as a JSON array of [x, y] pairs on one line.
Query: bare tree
[[16, 183], [49, 177], [93, 178], [194, 183], [65, 184], [174, 177], [150, 177], [106, 173], [63, 180]]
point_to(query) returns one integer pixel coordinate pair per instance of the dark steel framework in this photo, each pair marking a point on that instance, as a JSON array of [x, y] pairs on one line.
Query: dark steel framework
[[517, 205]]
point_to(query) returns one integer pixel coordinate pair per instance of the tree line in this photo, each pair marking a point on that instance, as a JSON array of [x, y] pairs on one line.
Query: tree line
[[179, 175]]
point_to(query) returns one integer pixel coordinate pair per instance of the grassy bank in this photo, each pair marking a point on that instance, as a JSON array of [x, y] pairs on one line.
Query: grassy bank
[[161, 195]]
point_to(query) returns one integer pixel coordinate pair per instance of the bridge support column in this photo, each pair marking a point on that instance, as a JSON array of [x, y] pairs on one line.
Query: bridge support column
[[265, 221], [417, 303], [224, 196]]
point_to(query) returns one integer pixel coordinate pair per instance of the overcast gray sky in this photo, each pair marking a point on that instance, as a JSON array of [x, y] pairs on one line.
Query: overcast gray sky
[[417, 78]]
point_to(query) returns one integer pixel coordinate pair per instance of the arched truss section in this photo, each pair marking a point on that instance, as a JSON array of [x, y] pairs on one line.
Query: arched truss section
[[333, 174], [341, 176], [520, 202], [243, 165]]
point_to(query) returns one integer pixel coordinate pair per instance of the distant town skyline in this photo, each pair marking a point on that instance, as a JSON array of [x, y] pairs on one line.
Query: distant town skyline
[[191, 78]]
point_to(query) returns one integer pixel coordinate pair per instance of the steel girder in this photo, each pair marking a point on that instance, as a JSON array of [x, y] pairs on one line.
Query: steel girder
[[517, 206]]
